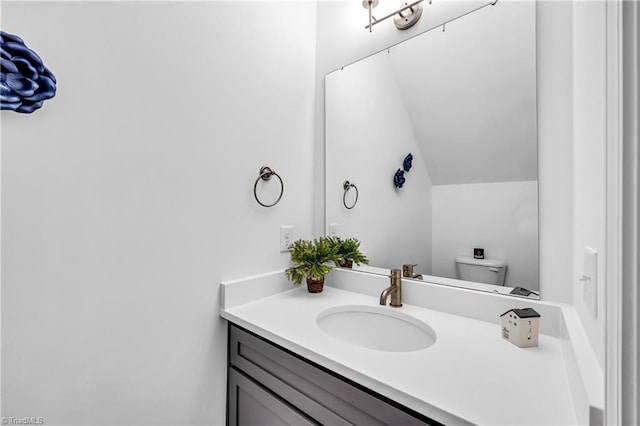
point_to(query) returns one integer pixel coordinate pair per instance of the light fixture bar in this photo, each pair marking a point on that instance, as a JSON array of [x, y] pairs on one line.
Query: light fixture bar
[[402, 9], [370, 4], [370, 17]]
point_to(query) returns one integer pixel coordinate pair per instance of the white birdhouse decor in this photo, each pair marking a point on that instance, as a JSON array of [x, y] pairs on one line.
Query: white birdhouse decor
[[520, 327]]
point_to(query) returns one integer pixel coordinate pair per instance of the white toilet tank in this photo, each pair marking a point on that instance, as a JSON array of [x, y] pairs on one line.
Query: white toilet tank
[[488, 271]]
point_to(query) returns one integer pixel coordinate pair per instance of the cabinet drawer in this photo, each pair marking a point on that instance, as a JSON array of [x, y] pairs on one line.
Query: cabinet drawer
[[319, 393]]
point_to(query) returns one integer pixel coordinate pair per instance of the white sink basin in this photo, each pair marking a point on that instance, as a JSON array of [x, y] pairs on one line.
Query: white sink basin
[[376, 327]]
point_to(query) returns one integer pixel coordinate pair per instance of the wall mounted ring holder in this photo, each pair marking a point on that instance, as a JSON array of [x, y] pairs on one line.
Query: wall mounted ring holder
[[346, 185], [265, 174]]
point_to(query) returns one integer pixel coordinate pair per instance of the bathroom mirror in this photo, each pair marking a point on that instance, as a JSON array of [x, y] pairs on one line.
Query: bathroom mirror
[[463, 102]]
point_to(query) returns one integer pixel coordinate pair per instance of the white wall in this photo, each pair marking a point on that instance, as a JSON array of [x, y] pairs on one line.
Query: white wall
[[363, 124], [500, 217], [554, 44], [128, 198], [589, 153], [571, 125]]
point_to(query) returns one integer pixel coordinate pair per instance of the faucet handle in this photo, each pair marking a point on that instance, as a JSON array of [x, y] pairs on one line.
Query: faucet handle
[[407, 269]]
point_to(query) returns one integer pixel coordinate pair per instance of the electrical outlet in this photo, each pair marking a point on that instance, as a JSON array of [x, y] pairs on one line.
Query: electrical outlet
[[333, 229], [286, 238]]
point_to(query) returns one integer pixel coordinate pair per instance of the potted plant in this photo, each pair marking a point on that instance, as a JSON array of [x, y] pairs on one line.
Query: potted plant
[[312, 260], [349, 252]]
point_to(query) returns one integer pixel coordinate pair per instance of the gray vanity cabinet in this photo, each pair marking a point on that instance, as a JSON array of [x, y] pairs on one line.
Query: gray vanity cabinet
[[268, 385]]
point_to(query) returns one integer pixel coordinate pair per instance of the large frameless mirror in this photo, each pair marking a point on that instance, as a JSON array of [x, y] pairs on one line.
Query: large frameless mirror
[[462, 102]]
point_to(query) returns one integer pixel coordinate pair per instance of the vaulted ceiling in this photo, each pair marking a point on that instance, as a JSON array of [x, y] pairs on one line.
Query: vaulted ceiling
[[471, 95]]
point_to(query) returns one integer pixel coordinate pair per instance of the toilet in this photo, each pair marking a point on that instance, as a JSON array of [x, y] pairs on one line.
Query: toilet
[[488, 271]]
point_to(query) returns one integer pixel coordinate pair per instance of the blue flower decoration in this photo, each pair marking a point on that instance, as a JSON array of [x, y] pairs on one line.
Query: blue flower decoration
[[398, 179], [24, 80], [406, 164]]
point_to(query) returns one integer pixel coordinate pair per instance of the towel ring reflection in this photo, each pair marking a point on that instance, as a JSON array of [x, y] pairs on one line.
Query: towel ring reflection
[[265, 175], [347, 186]]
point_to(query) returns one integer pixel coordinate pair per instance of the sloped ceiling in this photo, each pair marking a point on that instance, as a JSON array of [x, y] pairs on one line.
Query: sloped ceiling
[[471, 93]]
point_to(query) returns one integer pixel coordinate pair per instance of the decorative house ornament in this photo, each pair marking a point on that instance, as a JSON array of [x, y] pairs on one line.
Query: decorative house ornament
[[520, 327], [25, 83]]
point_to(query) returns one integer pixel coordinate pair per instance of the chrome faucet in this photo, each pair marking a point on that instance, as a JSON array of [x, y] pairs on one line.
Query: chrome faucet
[[395, 290]]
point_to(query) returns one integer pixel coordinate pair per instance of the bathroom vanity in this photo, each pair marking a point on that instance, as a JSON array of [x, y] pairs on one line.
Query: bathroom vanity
[[284, 362], [271, 385]]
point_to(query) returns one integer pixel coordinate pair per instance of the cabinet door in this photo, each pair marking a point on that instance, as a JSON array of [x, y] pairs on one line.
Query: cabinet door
[[251, 405]]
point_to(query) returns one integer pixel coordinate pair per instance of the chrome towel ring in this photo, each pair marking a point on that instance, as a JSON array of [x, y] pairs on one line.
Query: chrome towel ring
[[265, 175], [347, 186]]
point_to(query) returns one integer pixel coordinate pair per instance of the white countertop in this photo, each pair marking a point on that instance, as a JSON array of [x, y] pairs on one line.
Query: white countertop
[[469, 376]]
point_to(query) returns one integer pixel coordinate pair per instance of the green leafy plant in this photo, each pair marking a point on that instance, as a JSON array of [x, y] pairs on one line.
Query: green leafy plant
[[349, 251], [312, 259]]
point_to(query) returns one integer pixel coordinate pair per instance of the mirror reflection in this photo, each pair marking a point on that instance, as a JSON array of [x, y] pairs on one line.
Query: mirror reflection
[[462, 102]]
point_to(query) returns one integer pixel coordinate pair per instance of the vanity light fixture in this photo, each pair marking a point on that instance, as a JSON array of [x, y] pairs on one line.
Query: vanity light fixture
[[405, 17]]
